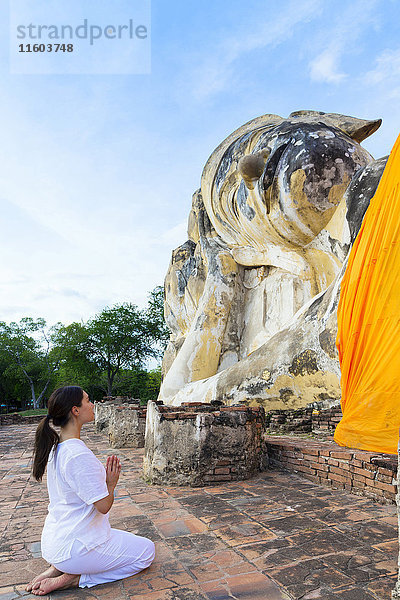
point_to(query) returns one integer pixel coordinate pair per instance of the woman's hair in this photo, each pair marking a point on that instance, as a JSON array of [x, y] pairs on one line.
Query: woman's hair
[[59, 406]]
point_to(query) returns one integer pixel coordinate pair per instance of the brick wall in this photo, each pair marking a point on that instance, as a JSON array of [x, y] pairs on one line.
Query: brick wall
[[304, 420], [15, 418], [362, 473]]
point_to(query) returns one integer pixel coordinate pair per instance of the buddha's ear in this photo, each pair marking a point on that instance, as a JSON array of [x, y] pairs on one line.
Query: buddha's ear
[[357, 129], [251, 167]]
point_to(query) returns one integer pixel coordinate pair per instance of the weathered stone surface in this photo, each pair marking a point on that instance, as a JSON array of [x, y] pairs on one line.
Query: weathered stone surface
[[102, 413], [251, 298], [126, 426], [103, 410], [200, 444]]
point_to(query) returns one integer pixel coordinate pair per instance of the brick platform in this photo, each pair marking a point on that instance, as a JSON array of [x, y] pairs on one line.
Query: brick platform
[[362, 473], [201, 444]]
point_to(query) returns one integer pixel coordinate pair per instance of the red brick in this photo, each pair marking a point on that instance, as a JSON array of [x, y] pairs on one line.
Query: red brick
[[333, 462], [340, 471], [358, 484], [324, 453], [335, 477], [384, 471], [222, 470], [370, 466], [384, 486], [312, 451], [364, 456], [359, 478], [342, 455], [364, 472], [384, 478]]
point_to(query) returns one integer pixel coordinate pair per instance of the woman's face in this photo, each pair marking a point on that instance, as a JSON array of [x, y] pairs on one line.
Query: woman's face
[[86, 410]]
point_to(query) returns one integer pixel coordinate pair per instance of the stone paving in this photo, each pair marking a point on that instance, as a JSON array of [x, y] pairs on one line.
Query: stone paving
[[274, 537]]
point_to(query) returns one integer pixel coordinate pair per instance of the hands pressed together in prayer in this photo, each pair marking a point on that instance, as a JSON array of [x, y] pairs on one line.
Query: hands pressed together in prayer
[[113, 471]]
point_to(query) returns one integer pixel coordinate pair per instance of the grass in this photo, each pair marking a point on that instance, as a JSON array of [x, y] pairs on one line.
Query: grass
[[33, 411]]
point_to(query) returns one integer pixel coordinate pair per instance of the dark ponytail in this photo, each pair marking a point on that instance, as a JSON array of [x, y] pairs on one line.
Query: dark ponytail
[[59, 407]]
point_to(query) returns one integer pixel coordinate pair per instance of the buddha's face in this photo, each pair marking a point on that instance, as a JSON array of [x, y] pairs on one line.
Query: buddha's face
[[281, 181], [305, 176]]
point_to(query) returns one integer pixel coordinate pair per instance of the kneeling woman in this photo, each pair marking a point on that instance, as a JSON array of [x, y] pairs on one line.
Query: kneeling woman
[[77, 539]]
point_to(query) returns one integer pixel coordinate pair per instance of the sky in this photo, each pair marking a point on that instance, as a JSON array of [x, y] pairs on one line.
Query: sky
[[98, 170]]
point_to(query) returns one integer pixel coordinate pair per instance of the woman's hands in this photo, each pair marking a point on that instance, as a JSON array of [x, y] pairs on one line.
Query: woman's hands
[[113, 470]]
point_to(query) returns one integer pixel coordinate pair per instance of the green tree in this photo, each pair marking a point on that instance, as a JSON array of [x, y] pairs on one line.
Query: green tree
[[139, 383], [35, 350], [118, 338], [13, 385], [156, 320]]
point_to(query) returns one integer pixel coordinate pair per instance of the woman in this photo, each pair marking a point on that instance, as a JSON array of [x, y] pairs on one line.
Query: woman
[[77, 539]]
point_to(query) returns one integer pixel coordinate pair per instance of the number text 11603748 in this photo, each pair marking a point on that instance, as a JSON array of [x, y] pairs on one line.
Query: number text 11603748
[[46, 48]]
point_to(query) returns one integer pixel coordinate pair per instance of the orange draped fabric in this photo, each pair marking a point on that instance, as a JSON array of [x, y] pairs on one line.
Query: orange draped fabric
[[368, 337]]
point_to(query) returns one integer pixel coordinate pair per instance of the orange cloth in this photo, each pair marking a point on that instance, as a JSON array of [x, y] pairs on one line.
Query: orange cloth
[[368, 337]]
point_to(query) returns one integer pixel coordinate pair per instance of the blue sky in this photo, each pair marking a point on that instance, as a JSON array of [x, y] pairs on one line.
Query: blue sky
[[98, 171]]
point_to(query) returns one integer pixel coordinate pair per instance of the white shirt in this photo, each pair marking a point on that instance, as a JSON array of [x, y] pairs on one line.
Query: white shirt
[[75, 479]]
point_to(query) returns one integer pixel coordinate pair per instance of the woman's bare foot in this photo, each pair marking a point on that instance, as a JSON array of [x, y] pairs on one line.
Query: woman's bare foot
[[48, 573], [62, 582]]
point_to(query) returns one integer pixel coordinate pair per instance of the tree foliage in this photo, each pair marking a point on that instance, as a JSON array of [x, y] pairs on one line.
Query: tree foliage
[[156, 320], [34, 350], [120, 337], [108, 354]]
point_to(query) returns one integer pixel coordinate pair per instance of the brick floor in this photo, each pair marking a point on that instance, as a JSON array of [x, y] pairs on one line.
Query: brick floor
[[274, 537]]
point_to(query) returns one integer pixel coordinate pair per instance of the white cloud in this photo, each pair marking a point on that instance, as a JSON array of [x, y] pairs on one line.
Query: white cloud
[[176, 235], [380, 90], [215, 73], [387, 68], [340, 37], [325, 67]]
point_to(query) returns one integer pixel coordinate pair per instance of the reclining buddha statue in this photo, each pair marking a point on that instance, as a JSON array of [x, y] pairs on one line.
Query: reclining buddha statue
[[251, 297]]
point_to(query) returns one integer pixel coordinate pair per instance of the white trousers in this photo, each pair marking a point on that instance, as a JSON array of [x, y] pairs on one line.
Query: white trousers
[[122, 555]]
